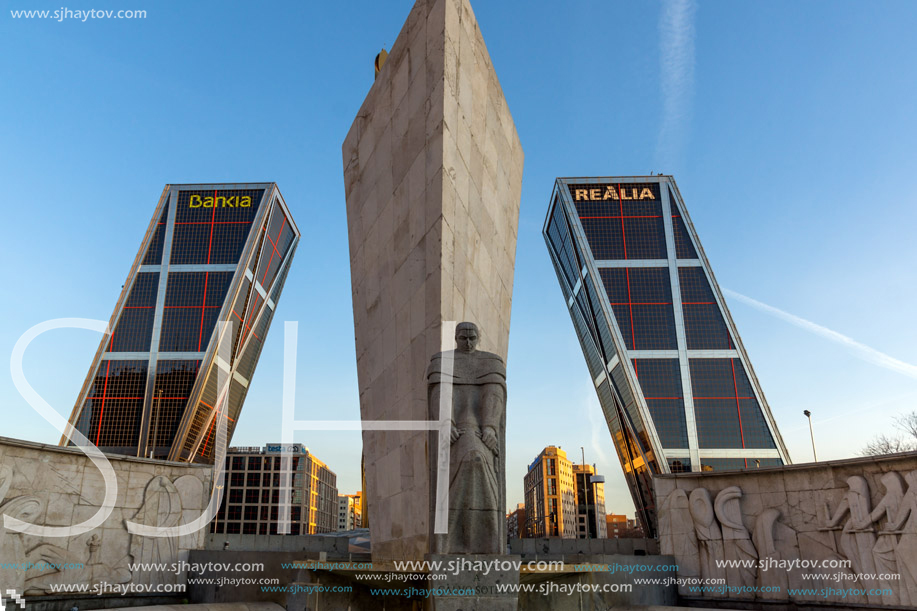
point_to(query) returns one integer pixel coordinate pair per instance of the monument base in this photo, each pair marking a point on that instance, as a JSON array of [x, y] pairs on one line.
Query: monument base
[[473, 582]]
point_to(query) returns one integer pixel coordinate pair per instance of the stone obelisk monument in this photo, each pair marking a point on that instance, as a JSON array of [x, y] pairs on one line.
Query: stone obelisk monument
[[433, 175]]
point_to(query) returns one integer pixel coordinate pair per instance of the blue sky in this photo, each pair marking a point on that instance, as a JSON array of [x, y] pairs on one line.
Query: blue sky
[[789, 128]]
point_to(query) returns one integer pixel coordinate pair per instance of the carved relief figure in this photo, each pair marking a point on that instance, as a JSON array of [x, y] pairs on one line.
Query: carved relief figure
[[476, 488], [676, 535], [905, 523], [161, 507], [857, 543], [93, 571], [765, 540], [709, 537], [736, 540], [884, 550], [25, 508]]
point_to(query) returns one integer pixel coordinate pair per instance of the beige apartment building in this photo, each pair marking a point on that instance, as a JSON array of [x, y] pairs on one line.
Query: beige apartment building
[[349, 511], [550, 495]]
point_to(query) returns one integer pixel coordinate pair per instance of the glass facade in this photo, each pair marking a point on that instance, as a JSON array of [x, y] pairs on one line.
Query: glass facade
[[675, 385], [212, 254]]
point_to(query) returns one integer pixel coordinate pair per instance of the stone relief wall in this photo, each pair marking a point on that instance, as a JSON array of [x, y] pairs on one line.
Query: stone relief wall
[[848, 525], [52, 486]]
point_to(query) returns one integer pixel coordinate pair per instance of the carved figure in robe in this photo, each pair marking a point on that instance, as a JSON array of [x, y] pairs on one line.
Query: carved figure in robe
[[709, 536], [161, 507], [477, 493], [883, 552], [905, 523], [857, 543], [736, 539]]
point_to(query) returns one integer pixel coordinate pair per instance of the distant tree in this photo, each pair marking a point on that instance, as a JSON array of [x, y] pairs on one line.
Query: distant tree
[[904, 441]]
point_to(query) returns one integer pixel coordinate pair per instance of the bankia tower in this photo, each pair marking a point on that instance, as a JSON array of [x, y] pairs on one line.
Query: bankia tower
[[212, 253], [674, 381]]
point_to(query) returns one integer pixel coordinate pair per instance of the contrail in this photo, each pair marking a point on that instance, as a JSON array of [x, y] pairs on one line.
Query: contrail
[[676, 64], [860, 350]]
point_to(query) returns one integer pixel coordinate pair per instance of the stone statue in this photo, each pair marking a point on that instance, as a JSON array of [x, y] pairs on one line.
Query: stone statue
[[477, 491]]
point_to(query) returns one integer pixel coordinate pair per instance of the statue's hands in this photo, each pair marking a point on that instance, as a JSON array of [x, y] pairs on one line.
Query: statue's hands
[[455, 434], [489, 437]]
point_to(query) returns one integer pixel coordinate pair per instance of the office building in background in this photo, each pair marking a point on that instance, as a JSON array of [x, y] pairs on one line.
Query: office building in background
[[516, 524], [257, 486], [590, 502], [349, 511]]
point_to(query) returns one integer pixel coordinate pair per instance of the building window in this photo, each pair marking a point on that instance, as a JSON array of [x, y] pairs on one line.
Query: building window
[[235, 495], [254, 463], [253, 480], [251, 496]]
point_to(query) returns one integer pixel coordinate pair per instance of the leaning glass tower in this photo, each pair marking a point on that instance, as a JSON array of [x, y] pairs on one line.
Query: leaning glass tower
[[674, 381], [216, 253]]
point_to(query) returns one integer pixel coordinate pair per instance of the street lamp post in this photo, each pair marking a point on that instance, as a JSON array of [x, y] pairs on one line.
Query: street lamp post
[[808, 415]]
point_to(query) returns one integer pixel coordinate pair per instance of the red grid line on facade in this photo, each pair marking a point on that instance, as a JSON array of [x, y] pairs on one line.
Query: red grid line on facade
[[191, 307], [274, 246], [200, 335], [254, 306], [210, 429], [136, 398], [102, 409], [630, 307], [642, 303], [212, 222], [724, 397], [204, 403], [655, 216], [735, 385], [244, 327]]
